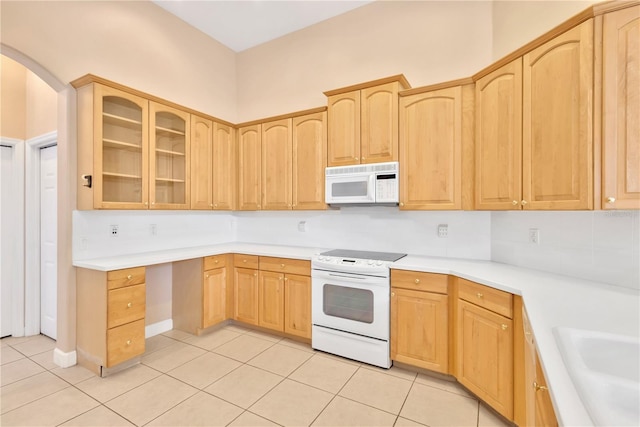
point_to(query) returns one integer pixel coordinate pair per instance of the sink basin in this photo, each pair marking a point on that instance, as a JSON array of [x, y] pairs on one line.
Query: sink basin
[[605, 369]]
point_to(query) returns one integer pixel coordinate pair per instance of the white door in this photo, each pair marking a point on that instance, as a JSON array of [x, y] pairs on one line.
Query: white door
[[5, 249], [48, 241]]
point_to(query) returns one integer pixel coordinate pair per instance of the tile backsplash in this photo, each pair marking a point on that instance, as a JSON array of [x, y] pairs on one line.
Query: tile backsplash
[[595, 245]]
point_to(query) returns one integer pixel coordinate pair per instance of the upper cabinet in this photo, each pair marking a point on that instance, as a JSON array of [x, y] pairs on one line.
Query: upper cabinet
[[276, 165], [435, 128], [249, 166], [498, 138], [169, 157], [557, 121], [224, 167], [201, 162], [620, 62], [363, 122], [309, 135]]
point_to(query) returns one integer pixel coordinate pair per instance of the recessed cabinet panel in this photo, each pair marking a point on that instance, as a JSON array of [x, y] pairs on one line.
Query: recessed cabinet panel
[[309, 161], [246, 295], [249, 165], [379, 124], [224, 167], [276, 165], [344, 129], [201, 162], [297, 303], [214, 296], [271, 300]]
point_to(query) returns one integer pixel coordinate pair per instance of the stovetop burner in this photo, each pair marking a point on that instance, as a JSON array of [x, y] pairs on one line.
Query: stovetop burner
[[377, 256]]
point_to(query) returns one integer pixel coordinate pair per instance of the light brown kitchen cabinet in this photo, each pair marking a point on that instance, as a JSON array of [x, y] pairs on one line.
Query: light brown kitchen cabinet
[[245, 286], [498, 139], [113, 149], [620, 63], [484, 342], [309, 137], [110, 309], [433, 135], [271, 300], [249, 167], [224, 167], [214, 296], [297, 303], [276, 165], [557, 139], [363, 122], [419, 319], [201, 163]]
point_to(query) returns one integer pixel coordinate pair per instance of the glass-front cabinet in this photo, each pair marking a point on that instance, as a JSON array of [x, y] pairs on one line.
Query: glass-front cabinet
[[121, 144], [169, 162]]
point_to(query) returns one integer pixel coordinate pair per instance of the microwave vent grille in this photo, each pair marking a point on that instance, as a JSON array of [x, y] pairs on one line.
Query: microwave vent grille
[[373, 167]]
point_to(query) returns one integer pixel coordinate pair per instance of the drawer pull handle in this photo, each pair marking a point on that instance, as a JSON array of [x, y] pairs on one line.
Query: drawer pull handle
[[504, 327], [480, 294], [129, 305], [417, 281], [129, 277], [537, 387], [128, 342]]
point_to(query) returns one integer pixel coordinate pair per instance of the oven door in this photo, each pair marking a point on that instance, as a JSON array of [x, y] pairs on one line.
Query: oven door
[[356, 188], [351, 303]]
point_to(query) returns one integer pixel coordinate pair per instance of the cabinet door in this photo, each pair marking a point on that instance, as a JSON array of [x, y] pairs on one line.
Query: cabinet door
[[485, 356], [431, 150], [224, 170], [245, 291], [419, 329], [276, 165], [201, 162], [621, 109], [169, 157], [557, 141], [499, 138], [379, 124], [271, 300], [249, 162], [545, 415], [121, 149], [344, 129], [529, 372], [214, 295], [297, 305], [309, 161]]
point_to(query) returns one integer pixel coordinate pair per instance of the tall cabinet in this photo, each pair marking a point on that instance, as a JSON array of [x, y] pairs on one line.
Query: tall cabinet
[[249, 167]]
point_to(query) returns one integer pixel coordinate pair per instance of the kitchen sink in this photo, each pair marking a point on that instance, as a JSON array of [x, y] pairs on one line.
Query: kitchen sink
[[605, 369]]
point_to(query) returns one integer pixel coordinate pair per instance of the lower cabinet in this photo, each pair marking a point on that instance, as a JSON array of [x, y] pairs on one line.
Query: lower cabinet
[[485, 344], [245, 286], [419, 319], [297, 303], [111, 317], [271, 300]]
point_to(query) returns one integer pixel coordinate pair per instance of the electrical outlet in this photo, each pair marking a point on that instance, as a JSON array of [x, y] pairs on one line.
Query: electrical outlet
[[153, 229], [302, 226], [534, 236], [113, 229], [443, 230]]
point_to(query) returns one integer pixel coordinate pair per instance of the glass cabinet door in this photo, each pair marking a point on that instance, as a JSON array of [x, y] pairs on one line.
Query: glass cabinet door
[[169, 162], [121, 167]]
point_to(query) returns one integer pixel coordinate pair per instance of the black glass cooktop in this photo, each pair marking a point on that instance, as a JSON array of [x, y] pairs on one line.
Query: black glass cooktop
[[377, 256]]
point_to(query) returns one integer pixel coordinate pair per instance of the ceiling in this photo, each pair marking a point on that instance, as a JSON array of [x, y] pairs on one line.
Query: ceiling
[[242, 24]]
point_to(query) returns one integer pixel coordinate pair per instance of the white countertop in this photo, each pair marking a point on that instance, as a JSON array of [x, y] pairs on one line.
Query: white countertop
[[551, 300]]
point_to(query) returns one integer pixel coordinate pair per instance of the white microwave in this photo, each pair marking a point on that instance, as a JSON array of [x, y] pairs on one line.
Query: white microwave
[[375, 183]]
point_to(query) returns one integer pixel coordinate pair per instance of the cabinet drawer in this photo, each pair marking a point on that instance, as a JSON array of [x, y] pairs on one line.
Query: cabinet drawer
[[214, 261], [127, 277], [125, 342], [125, 305], [492, 299], [245, 261], [285, 265], [419, 281]]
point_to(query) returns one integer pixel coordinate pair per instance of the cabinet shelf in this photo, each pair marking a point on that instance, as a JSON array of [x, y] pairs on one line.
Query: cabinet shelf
[[119, 119], [168, 180], [167, 130], [120, 175], [112, 143], [169, 152]]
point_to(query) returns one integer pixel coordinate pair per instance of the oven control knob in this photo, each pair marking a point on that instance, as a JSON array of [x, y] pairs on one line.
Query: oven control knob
[[370, 262], [378, 262]]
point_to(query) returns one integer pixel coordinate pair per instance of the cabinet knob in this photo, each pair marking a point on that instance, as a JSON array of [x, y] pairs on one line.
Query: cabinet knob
[[129, 305], [128, 342], [289, 205], [244, 260], [537, 387], [393, 294], [364, 158], [146, 203], [216, 261], [129, 277], [417, 281], [215, 205], [480, 294], [355, 158], [281, 265], [514, 203], [211, 204], [504, 327], [524, 202], [206, 276], [153, 203], [258, 206], [611, 199], [401, 204], [286, 279], [281, 277], [255, 274]]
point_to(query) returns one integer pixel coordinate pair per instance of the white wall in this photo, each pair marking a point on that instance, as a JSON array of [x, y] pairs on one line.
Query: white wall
[[600, 246]]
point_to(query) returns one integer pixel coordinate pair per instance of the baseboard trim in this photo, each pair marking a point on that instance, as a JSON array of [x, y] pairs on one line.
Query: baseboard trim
[[64, 360], [158, 328]]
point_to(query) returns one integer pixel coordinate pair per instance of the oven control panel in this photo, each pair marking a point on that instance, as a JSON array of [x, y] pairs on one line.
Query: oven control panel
[[351, 265]]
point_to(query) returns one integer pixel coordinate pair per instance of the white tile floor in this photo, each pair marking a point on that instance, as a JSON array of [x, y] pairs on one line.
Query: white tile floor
[[232, 376]]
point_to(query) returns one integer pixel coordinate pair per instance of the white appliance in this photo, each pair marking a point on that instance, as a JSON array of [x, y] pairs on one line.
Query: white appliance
[[350, 304], [375, 183]]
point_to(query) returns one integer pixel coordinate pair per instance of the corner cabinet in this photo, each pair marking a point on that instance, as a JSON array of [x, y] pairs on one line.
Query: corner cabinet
[[132, 153], [620, 63], [435, 132], [363, 122]]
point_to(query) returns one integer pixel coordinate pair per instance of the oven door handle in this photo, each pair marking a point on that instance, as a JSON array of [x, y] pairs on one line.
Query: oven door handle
[[347, 277]]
